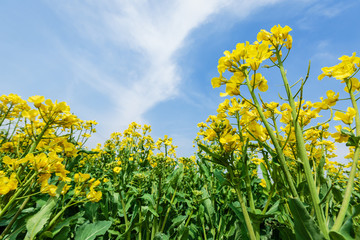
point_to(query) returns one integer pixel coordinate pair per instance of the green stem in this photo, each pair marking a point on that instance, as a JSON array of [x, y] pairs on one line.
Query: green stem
[[243, 208], [59, 214], [204, 231], [139, 234], [248, 185], [188, 220], [16, 194], [168, 211], [349, 187], [155, 221], [275, 141], [38, 139], [5, 115], [302, 154], [272, 190], [124, 212], [14, 218]]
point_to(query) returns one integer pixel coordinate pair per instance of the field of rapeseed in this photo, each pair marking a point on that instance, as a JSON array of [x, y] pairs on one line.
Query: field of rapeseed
[[262, 170]]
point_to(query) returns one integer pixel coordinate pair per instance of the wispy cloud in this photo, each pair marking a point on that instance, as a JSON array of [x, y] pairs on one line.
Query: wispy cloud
[[150, 33], [313, 10]]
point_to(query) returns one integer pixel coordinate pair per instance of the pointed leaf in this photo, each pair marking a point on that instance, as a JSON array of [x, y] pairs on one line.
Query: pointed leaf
[[89, 231], [36, 222], [305, 226], [149, 198]]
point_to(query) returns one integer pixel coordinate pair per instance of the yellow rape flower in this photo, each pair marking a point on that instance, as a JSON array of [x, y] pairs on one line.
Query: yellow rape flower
[[80, 177], [65, 189], [338, 136], [342, 70], [31, 114], [280, 35], [49, 189], [263, 183], [347, 117], [328, 102], [256, 54], [117, 170], [229, 141], [354, 85], [94, 196], [8, 184], [232, 88], [12, 163], [216, 82], [259, 81], [263, 35], [37, 100]]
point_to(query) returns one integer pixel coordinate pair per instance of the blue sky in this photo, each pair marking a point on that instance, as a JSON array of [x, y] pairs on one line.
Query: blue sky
[[152, 61]]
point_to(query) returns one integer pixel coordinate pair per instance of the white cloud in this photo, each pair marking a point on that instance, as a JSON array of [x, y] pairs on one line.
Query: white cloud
[[152, 32]]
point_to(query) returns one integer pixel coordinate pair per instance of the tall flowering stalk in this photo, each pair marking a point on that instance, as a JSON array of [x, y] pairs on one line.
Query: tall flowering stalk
[[345, 71], [243, 64]]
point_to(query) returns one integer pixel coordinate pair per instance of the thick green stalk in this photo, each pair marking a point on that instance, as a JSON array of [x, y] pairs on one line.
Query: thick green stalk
[[275, 141], [204, 231], [272, 191], [247, 219], [124, 212], [189, 218], [302, 154], [38, 139], [168, 211], [155, 221], [248, 189], [8, 227], [139, 234], [349, 187], [59, 214]]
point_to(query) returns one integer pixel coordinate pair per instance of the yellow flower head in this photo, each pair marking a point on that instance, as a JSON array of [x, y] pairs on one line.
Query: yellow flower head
[[117, 170], [37, 100], [80, 177], [347, 117], [343, 70]]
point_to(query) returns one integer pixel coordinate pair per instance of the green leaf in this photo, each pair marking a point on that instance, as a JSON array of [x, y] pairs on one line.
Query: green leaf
[[286, 233], [66, 222], [176, 177], [183, 233], [161, 236], [346, 231], [151, 209], [205, 149], [347, 132], [36, 222], [274, 208], [14, 234], [208, 207], [63, 234], [149, 198], [320, 171], [355, 210], [304, 224], [216, 158], [204, 169], [219, 175], [235, 207], [91, 211], [336, 236], [89, 231], [337, 193], [179, 219]]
